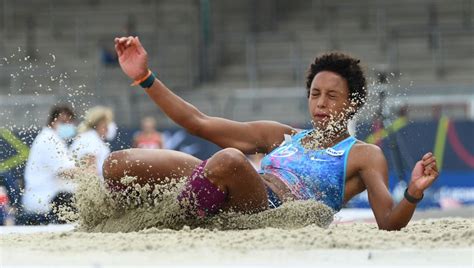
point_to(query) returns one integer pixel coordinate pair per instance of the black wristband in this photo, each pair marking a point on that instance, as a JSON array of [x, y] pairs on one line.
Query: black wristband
[[412, 199], [148, 82]]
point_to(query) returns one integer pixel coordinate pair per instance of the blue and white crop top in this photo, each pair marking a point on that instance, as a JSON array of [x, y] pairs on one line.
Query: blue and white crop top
[[311, 174]]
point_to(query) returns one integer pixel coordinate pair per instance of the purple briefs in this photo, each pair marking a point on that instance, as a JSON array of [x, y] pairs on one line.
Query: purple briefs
[[200, 197]]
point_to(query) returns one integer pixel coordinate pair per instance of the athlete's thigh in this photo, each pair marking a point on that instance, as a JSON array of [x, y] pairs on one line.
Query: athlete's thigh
[[148, 165], [230, 170]]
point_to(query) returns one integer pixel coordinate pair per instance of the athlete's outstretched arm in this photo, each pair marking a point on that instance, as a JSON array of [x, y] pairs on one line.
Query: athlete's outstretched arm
[[248, 137], [375, 177]]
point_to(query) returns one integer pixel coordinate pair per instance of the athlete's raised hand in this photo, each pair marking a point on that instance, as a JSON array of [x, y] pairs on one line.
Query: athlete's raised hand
[[132, 56], [424, 173]]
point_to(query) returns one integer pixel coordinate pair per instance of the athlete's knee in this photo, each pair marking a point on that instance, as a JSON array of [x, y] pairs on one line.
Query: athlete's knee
[[230, 158], [225, 164]]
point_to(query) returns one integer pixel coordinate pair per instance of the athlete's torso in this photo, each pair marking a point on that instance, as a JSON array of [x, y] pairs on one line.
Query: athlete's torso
[[311, 174]]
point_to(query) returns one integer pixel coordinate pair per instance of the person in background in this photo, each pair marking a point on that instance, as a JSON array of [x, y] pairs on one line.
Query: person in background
[[108, 58], [49, 169], [5, 215], [90, 147], [148, 137]]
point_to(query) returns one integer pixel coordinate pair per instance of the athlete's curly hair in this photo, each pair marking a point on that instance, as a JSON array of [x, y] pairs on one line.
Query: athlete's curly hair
[[347, 67]]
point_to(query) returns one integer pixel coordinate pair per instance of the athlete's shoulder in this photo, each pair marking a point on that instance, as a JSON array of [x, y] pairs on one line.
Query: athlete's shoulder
[[366, 152], [369, 162]]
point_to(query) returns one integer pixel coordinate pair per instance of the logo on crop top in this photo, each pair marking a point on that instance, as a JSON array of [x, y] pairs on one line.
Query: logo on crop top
[[331, 151], [285, 151], [319, 159]]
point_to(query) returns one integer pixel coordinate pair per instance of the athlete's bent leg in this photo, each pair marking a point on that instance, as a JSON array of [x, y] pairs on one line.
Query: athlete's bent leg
[[148, 166], [234, 175], [226, 181]]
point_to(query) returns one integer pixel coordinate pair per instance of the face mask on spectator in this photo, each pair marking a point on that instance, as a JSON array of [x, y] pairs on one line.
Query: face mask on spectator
[[66, 131], [111, 131]]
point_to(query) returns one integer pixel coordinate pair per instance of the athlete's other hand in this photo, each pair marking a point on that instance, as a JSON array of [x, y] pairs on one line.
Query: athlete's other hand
[[132, 57], [423, 175]]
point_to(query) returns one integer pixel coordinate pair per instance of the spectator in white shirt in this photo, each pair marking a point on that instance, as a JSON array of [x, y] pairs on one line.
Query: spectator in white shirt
[[49, 168], [90, 148]]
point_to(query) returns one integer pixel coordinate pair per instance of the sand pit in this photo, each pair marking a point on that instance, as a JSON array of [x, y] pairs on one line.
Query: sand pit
[[446, 241], [298, 233]]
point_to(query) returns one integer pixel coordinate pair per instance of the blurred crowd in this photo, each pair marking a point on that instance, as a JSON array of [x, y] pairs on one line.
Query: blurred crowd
[[63, 148]]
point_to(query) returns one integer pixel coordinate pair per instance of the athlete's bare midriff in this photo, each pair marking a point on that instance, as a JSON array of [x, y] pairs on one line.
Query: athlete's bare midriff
[[352, 187], [277, 186]]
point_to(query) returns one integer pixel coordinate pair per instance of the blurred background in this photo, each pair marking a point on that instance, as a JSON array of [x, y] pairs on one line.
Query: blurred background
[[246, 60]]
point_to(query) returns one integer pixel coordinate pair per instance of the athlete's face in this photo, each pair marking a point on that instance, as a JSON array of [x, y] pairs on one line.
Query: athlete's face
[[328, 99]]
